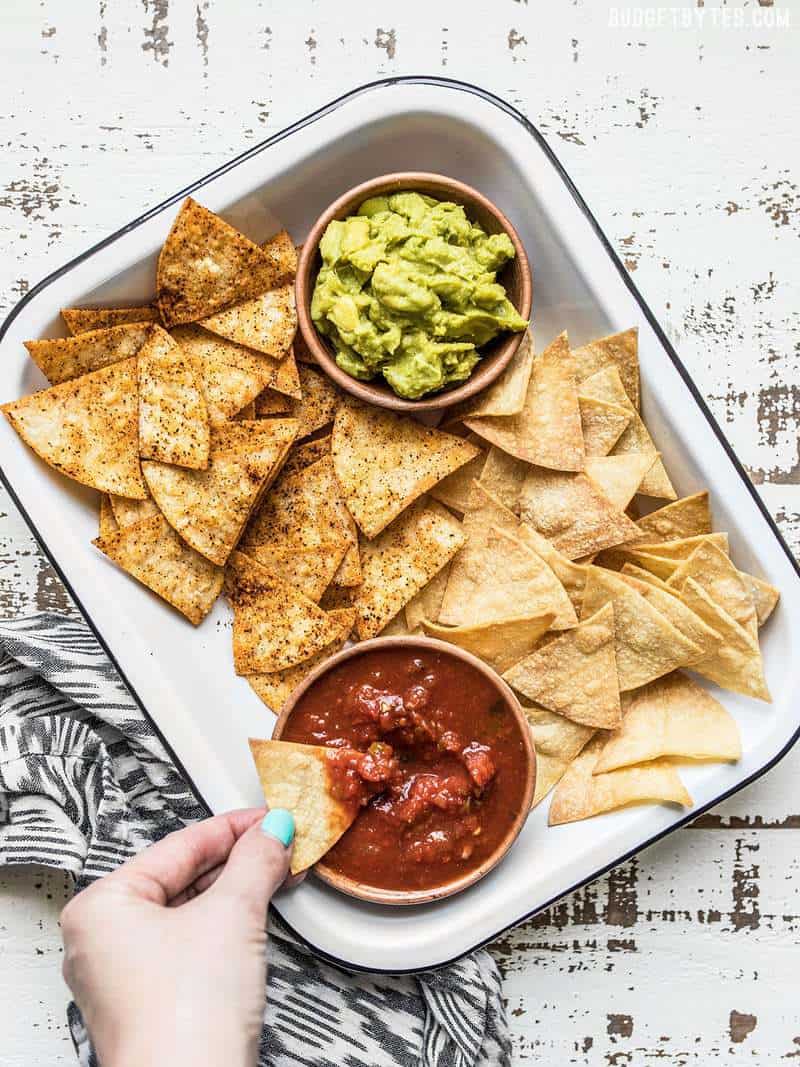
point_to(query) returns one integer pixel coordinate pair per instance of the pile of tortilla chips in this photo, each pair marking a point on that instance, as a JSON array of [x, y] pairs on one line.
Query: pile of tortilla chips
[[539, 529]]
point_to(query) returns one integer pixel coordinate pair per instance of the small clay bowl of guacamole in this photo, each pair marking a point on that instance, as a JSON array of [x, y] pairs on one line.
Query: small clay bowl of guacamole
[[413, 291]]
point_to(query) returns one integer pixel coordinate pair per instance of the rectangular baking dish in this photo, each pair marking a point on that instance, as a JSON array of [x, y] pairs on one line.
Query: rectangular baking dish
[[183, 678]]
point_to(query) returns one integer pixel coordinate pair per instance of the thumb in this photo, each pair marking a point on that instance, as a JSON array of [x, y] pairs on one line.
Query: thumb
[[258, 863]]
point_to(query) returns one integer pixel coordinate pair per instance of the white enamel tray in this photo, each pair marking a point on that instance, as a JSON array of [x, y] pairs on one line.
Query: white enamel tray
[[184, 677]]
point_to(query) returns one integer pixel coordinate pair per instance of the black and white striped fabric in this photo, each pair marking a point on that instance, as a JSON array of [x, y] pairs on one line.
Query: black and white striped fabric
[[85, 784]]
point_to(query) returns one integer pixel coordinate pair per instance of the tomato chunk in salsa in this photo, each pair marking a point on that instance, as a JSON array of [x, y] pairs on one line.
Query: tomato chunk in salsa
[[439, 764]]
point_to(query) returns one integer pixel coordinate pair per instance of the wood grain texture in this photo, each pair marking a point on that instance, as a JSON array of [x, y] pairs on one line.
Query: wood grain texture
[[679, 138]]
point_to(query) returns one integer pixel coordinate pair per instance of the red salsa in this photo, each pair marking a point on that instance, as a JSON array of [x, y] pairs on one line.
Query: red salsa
[[434, 756]]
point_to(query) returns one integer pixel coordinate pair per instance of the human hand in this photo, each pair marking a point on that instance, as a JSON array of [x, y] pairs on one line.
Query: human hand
[[166, 956]]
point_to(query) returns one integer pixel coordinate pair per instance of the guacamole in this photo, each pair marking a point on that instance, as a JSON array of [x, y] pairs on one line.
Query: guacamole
[[407, 289]]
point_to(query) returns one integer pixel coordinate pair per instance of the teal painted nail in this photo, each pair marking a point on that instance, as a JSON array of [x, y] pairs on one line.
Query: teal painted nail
[[279, 823]]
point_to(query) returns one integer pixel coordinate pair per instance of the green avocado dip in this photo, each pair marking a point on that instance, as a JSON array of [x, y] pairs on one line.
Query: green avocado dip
[[407, 289]]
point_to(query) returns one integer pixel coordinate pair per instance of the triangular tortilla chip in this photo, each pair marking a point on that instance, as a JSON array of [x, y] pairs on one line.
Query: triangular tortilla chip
[[672, 607], [384, 462], [647, 644], [266, 323], [81, 320], [427, 603], [500, 643], [283, 252], [248, 412], [206, 265], [571, 575], [127, 511], [209, 508], [455, 489], [64, 358], [681, 547], [297, 778], [318, 405], [269, 402], [765, 596], [575, 674], [573, 512], [581, 794], [401, 560], [713, 570], [619, 476], [503, 476], [106, 522], [557, 741], [397, 627], [152, 552], [548, 429], [173, 419], [602, 424], [274, 625], [305, 454], [620, 350], [672, 717], [302, 352], [506, 396], [276, 688], [310, 570], [688, 517], [87, 428]]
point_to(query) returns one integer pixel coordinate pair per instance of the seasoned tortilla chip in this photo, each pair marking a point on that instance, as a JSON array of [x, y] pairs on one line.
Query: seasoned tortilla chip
[[274, 625], [210, 508], [581, 794], [503, 476], [283, 252], [672, 607], [504, 397], [602, 424], [672, 717], [548, 429], [713, 570], [427, 603], [310, 570], [276, 688], [384, 462], [152, 552], [575, 674], [500, 643], [455, 489], [269, 402], [106, 522], [304, 454], [87, 428], [620, 350], [266, 323], [688, 517], [173, 419], [573, 512], [401, 560], [647, 644], [619, 476], [318, 405], [61, 359], [297, 778], [81, 320], [127, 511], [206, 265], [248, 412], [302, 352]]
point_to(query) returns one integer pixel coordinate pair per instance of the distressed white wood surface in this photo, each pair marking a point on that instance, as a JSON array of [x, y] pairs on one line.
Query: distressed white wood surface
[[681, 137]]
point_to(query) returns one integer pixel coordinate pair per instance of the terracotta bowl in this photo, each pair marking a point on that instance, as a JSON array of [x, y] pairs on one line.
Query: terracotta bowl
[[515, 276], [424, 896]]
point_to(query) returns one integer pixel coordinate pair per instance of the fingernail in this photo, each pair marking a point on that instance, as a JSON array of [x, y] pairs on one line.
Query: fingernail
[[279, 823]]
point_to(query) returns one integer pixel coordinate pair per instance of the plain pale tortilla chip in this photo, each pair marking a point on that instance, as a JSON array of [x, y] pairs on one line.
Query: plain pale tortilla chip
[[401, 560], [620, 350], [106, 522], [318, 405], [737, 664], [266, 323], [276, 688], [647, 644], [547, 431], [297, 778], [454, 490], [672, 717], [688, 517], [310, 570], [682, 618], [274, 625], [396, 627], [503, 476], [603, 424], [713, 570], [557, 741], [384, 462], [427, 603], [619, 476], [269, 402], [571, 575], [152, 552], [765, 596], [507, 395], [501, 643], [682, 547], [81, 320], [127, 511], [87, 428], [575, 674], [209, 508], [173, 419], [305, 454], [581, 794], [206, 265], [573, 512], [64, 358]]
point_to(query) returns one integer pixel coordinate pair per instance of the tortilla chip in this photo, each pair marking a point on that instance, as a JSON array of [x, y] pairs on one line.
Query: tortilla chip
[[152, 552], [688, 517], [283, 252], [503, 476], [206, 265], [310, 570], [209, 508], [680, 548], [619, 476], [296, 777], [672, 607], [318, 405], [647, 644], [765, 596], [61, 359], [713, 570], [455, 489], [501, 643], [81, 320], [396, 627], [547, 431], [620, 350], [401, 560], [384, 462], [87, 428], [427, 603], [106, 523], [557, 741], [571, 575], [581, 794], [506, 396], [573, 512], [673, 717], [575, 674], [302, 352], [127, 511], [602, 424], [266, 323], [305, 454], [269, 402], [275, 689]]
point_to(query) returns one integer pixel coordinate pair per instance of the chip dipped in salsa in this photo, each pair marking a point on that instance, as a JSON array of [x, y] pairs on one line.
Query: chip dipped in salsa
[[423, 740]]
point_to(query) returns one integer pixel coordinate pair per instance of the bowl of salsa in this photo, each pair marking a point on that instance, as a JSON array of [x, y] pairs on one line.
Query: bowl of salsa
[[437, 751]]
